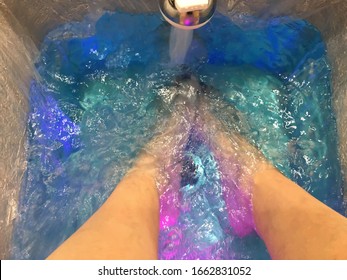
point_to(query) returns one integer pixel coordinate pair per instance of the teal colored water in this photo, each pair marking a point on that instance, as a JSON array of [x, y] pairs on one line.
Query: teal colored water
[[99, 102]]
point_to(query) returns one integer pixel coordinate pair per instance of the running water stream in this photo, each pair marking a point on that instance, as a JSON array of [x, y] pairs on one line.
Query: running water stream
[[180, 41]]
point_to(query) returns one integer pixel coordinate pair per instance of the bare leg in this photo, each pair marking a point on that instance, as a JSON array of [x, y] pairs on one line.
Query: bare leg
[[237, 161], [293, 224], [127, 225]]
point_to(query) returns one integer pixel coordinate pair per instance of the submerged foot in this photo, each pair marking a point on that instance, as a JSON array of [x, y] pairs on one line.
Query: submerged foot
[[163, 155], [237, 158]]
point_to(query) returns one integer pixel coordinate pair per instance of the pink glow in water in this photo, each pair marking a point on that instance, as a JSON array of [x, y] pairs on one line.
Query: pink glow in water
[[237, 199], [236, 190], [170, 199], [169, 209]]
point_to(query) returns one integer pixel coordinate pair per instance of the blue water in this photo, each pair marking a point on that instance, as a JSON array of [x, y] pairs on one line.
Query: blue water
[[99, 100]]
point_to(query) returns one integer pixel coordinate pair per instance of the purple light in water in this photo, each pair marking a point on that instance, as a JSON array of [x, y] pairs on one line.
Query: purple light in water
[[170, 200], [52, 127], [169, 210]]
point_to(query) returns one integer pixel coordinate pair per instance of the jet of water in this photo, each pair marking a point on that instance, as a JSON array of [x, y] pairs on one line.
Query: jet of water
[[180, 41]]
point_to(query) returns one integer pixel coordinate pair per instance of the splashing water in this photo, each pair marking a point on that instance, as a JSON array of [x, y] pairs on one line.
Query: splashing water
[[102, 96]]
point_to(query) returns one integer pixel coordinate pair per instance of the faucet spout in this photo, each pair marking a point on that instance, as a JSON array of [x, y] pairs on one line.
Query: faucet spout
[[187, 14]]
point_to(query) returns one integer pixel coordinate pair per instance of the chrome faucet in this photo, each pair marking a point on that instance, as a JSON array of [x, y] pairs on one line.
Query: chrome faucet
[[187, 14]]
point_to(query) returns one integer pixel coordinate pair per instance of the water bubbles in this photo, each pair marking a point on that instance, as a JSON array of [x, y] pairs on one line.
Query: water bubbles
[[104, 94]]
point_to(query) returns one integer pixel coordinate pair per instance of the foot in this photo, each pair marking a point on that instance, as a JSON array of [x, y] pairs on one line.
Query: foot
[[162, 157], [238, 160]]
